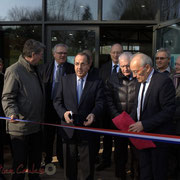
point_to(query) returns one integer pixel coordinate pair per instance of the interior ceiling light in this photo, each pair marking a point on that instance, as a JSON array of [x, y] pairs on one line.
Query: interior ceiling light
[[143, 6]]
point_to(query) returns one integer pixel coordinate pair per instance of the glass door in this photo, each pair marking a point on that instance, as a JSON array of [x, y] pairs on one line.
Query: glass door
[[167, 35], [76, 38]]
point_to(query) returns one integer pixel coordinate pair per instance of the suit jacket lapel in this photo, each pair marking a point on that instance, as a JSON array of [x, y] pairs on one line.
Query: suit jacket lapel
[[109, 68], [148, 91], [74, 89]]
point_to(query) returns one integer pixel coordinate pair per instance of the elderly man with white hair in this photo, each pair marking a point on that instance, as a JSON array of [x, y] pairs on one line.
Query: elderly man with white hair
[[120, 93], [153, 111]]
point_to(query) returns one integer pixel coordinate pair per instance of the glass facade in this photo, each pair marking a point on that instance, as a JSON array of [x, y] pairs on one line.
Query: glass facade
[[170, 9], [76, 40], [65, 10], [18, 10], [12, 39], [130, 9], [169, 38], [129, 22]]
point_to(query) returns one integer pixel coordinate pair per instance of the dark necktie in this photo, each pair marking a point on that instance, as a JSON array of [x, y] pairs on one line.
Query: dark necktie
[[79, 89], [142, 97], [114, 69], [59, 72]]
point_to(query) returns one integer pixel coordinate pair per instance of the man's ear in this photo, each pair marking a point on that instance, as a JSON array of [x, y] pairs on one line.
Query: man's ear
[[33, 54]]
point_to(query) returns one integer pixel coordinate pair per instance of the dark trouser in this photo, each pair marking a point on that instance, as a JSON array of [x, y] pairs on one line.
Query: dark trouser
[[50, 133], [26, 151], [120, 156], [154, 163], [107, 149], [85, 150]]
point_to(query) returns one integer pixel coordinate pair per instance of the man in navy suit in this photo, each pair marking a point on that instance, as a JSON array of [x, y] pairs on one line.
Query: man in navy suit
[[79, 102], [155, 106], [50, 76]]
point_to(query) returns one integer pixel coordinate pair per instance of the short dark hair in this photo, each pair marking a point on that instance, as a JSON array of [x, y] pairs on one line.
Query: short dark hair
[[84, 54], [31, 46]]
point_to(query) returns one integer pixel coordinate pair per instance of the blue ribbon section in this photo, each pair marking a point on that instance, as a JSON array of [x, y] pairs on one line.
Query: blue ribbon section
[[141, 135]]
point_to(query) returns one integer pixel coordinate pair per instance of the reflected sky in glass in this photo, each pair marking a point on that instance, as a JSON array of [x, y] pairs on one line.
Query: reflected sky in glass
[[20, 9]]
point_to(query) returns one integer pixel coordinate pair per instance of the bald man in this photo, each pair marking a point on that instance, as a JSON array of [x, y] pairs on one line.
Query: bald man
[[153, 112]]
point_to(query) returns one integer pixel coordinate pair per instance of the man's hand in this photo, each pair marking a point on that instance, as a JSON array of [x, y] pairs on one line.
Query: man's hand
[[90, 119], [66, 117], [136, 127], [13, 117]]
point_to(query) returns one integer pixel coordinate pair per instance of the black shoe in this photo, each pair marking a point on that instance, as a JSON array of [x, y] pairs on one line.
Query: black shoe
[[103, 166]]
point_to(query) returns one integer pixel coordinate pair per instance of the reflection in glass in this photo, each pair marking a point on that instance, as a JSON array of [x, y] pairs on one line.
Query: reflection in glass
[[129, 9], [12, 39], [77, 41], [17, 10], [72, 10], [170, 9], [170, 39]]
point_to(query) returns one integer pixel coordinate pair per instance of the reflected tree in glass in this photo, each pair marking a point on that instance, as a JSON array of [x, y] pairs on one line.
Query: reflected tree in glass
[[170, 9], [68, 10], [134, 9], [24, 14]]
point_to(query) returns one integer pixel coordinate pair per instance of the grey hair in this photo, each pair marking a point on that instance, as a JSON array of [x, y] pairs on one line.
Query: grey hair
[[164, 50], [59, 45], [125, 55], [145, 59]]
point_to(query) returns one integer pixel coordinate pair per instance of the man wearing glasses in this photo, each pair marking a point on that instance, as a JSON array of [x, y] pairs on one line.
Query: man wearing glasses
[[52, 73], [153, 111], [163, 58]]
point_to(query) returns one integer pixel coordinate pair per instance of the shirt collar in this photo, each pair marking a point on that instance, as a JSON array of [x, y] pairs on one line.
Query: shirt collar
[[150, 76], [84, 78], [114, 64], [167, 69]]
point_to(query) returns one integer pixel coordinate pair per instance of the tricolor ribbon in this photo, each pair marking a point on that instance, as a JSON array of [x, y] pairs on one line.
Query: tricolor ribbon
[[141, 135]]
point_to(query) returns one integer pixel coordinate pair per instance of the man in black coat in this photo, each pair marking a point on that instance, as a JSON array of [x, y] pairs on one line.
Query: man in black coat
[[107, 69], [51, 73], [120, 94], [79, 102], [154, 109]]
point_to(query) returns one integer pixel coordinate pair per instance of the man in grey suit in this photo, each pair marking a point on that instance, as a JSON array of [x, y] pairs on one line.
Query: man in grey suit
[[79, 102]]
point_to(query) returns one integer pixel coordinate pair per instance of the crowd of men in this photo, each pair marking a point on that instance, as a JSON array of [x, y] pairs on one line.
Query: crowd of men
[[80, 95]]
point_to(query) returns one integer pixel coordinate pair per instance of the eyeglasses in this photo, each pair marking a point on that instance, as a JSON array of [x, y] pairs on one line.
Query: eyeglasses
[[125, 66], [61, 53], [160, 58], [135, 72]]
